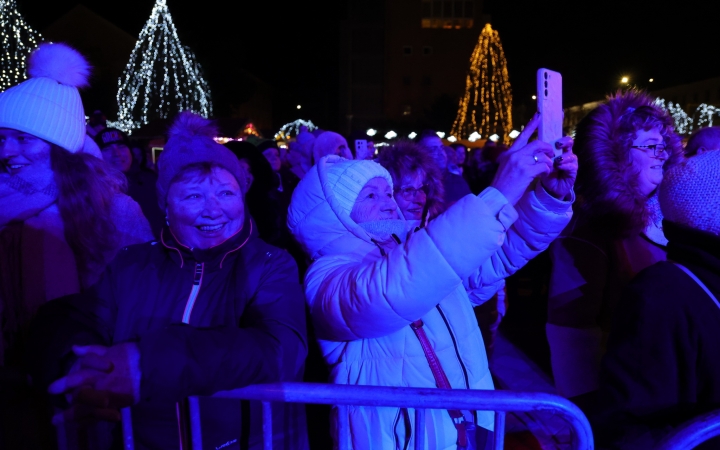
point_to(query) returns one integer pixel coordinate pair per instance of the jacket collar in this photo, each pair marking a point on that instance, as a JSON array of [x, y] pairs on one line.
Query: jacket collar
[[212, 257]]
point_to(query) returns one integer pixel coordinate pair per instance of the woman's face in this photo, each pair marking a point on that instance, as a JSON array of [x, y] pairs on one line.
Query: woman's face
[[460, 155], [207, 210], [375, 202], [649, 166], [273, 157], [410, 195], [23, 153]]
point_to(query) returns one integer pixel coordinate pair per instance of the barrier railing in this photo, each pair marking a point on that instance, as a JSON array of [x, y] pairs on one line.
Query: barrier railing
[[693, 433], [419, 399]]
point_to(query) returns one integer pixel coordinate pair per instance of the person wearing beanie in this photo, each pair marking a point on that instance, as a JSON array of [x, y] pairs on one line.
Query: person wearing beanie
[[115, 148], [624, 147], [330, 143], [208, 308], [286, 180], [661, 368], [378, 292], [63, 215]]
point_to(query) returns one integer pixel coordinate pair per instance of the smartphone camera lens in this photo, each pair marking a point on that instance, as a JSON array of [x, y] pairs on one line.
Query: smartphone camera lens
[[545, 92], [546, 75], [546, 84]]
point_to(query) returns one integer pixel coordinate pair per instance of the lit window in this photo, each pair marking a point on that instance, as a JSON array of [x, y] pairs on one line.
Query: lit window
[[447, 14]]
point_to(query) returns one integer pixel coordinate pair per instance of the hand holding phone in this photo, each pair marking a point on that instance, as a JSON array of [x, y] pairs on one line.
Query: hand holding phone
[[549, 102]]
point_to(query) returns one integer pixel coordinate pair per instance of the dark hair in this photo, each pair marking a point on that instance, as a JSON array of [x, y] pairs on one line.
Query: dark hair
[[405, 157], [707, 138], [86, 187]]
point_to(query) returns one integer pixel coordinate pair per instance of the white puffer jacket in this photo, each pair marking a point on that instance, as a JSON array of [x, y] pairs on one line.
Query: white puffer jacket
[[363, 298]]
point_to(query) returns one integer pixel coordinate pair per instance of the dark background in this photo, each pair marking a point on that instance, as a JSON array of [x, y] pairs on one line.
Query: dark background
[[294, 45]]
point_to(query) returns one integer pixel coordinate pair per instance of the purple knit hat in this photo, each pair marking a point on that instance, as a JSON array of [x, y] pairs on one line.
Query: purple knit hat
[[190, 141]]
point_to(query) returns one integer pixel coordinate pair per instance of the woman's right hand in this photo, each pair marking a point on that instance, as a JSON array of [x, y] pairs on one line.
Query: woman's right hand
[[522, 163]]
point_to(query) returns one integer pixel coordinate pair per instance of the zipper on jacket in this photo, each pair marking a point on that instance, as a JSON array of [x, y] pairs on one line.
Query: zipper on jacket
[[197, 282], [457, 351]]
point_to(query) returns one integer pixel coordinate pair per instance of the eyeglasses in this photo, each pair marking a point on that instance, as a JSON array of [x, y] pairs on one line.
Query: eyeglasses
[[408, 193], [656, 148]]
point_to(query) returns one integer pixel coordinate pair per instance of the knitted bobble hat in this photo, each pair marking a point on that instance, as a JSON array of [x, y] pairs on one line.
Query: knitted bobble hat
[[48, 104], [690, 193], [346, 178], [191, 141]]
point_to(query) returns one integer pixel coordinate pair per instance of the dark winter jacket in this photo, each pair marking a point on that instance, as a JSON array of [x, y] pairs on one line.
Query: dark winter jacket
[[662, 367], [245, 325]]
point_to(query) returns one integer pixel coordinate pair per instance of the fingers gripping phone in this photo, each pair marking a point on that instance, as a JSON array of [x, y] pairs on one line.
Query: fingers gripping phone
[[549, 102]]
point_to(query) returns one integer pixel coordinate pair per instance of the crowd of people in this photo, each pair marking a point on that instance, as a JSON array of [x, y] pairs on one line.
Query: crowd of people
[[125, 285]]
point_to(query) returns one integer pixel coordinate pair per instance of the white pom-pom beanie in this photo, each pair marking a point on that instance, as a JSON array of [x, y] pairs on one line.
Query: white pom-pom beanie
[[690, 193], [48, 104], [346, 178]]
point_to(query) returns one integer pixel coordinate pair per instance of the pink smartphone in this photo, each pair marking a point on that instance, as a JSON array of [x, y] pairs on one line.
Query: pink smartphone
[[549, 102]]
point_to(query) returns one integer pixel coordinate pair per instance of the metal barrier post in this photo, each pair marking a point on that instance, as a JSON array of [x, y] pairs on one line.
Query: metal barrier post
[[127, 429], [693, 432], [267, 426], [499, 434], [343, 428], [419, 429]]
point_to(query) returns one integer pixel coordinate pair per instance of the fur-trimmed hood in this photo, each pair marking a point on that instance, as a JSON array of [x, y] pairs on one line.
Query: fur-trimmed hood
[[607, 183]]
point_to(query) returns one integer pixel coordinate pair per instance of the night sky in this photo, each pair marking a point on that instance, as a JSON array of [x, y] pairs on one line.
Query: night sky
[[294, 45]]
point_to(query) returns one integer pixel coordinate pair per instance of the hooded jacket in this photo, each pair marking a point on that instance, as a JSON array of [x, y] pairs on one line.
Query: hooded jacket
[[362, 298], [616, 234], [204, 321]]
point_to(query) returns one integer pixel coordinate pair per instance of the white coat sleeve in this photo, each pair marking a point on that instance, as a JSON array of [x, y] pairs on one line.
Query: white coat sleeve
[[351, 299], [541, 219]]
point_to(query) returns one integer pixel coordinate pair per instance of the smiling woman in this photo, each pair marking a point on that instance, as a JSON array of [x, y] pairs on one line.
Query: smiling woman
[[63, 216], [205, 205], [624, 147]]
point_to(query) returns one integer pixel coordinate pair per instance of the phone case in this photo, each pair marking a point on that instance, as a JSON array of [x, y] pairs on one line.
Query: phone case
[[549, 99]]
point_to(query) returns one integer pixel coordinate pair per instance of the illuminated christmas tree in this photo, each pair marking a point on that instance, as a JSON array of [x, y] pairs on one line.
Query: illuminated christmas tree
[[486, 107], [18, 40], [162, 77]]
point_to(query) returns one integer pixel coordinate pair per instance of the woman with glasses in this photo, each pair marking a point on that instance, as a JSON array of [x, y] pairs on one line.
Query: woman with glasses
[[417, 181], [624, 147]]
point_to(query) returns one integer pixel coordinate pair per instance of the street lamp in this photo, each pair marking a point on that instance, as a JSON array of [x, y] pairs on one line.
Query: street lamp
[[625, 80]]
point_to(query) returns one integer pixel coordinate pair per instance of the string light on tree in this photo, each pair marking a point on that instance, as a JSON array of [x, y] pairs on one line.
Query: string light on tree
[[293, 128], [18, 40], [685, 123], [162, 77], [486, 107]]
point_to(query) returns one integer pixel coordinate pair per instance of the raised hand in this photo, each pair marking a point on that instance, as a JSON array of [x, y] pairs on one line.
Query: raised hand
[[560, 181], [522, 163]]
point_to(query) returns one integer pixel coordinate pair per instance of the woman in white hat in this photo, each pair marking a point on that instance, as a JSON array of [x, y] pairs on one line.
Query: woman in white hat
[[63, 215]]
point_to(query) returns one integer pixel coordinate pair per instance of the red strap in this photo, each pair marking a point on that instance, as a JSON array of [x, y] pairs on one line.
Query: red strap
[[441, 380]]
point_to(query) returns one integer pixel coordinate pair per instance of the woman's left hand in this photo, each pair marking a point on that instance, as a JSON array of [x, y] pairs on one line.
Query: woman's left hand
[[560, 181]]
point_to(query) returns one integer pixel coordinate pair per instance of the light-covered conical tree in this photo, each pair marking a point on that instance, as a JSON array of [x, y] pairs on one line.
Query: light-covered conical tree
[[162, 77], [18, 40], [486, 107]]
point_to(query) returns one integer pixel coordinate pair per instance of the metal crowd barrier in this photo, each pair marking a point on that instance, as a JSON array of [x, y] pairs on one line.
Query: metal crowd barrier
[[693, 433], [419, 399]]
